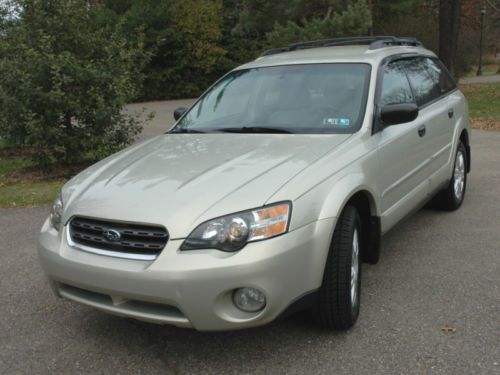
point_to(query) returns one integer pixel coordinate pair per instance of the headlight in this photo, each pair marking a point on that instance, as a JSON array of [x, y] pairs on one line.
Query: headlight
[[232, 232], [56, 213]]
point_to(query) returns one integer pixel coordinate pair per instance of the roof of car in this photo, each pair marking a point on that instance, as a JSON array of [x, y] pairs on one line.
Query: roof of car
[[334, 53]]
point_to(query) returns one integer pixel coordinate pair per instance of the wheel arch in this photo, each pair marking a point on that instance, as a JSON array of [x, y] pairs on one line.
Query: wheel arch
[[364, 203], [363, 199]]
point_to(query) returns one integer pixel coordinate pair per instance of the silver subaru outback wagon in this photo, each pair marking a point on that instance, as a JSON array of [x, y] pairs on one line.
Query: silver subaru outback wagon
[[269, 193]]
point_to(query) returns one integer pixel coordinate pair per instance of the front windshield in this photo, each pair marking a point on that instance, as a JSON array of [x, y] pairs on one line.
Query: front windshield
[[312, 98]]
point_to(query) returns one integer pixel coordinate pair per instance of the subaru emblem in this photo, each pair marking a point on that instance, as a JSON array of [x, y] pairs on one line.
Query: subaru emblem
[[112, 235]]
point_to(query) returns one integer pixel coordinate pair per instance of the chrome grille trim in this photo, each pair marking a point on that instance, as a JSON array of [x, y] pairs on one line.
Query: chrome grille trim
[[148, 243]]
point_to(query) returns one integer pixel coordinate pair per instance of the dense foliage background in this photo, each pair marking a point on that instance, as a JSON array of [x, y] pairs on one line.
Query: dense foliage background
[[67, 67], [64, 78]]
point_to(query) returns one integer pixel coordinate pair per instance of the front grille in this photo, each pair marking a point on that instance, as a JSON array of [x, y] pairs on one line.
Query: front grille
[[146, 240]]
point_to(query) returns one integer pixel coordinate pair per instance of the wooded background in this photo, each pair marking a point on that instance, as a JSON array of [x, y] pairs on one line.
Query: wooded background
[[189, 43], [67, 67]]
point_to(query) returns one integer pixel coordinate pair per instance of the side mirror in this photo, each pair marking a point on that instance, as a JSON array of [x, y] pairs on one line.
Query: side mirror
[[393, 114], [179, 112]]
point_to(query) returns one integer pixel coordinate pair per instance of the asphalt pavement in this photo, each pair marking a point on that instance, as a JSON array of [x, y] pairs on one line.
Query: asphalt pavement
[[162, 115], [431, 306], [481, 79]]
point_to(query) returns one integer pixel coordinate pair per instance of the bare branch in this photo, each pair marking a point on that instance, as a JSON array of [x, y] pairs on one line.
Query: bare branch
[[496, 8]]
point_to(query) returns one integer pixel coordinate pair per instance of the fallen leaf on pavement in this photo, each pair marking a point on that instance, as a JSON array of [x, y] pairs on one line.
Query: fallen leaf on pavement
[[447, 328]]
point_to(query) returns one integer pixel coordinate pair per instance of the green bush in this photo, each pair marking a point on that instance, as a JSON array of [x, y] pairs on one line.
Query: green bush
[[64, 79]]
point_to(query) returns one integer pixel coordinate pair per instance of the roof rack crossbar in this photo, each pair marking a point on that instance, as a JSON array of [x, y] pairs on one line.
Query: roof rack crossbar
[[374, 42]]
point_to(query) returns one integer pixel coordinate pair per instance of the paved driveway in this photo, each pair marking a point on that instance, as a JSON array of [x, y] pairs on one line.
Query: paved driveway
[[163, 115], [481, 79], [436, 269]]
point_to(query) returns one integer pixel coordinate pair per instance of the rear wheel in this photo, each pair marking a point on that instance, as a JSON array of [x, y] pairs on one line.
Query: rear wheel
[[337, 305], [452, 197]]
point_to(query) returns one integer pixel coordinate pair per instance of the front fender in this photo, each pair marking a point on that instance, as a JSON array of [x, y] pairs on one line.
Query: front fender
[[327, 199], [343, 190]]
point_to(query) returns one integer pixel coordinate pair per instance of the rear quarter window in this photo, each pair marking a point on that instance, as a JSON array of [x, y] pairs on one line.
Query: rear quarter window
[[440, 75], [424, 85]]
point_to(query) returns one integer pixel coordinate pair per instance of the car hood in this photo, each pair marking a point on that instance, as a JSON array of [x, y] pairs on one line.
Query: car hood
[[181, 180]]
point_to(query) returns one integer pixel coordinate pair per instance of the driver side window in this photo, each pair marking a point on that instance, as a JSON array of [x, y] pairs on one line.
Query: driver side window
[[395, 86]]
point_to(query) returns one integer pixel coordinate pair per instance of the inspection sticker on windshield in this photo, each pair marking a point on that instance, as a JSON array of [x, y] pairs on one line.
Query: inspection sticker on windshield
[[336, 121]]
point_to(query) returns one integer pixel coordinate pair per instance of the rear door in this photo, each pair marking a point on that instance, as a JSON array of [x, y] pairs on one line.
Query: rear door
[[444, 125], [430, 88]]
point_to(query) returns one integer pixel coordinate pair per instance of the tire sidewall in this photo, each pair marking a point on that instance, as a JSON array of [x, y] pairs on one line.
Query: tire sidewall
[[356, 307], [334, 307], [460, 149]]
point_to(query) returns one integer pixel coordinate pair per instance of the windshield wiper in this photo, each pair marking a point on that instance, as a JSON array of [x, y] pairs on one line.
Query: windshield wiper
[[186, 130], [255, 129]]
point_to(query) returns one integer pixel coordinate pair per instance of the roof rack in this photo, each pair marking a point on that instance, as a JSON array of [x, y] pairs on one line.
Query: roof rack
[[375, 42]]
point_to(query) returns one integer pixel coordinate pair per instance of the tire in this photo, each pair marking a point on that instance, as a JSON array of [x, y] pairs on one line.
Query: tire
[[451, 198], [337, 304]]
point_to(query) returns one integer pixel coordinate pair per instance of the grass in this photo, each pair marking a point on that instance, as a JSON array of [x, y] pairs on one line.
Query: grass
[[23, 184], [20, 186], [484, 104], [488, 70], [10, 165], [26, 194]]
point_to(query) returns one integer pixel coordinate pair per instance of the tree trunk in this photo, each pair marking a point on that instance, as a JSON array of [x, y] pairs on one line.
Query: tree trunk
[[329, 11], [67, 123], [449, 26], [370, 9]]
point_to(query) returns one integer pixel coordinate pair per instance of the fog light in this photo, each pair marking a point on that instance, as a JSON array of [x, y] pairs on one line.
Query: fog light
[[249, 299]]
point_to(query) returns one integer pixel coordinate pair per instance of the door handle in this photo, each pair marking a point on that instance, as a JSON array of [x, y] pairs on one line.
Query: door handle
[[451, 113], [421, 131]]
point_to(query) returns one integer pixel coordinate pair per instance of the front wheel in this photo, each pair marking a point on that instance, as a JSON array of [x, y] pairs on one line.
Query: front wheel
[[452, 197], [337, 304]]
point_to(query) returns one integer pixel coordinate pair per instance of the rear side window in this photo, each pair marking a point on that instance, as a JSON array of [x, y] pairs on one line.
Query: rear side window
[[395, 86], [426, 89], [440, 75]]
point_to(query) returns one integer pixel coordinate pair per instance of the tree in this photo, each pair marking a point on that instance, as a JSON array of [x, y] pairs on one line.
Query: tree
[[354, 20], [64, 80], [494, 17], [389, 16], [182, 35], [256, 17], [449, 26]]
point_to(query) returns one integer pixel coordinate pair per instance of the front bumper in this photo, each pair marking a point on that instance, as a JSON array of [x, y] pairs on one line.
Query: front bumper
[[190, 288]]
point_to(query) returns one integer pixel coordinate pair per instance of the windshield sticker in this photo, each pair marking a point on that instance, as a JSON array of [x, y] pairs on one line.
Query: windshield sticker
[[336, 121]]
